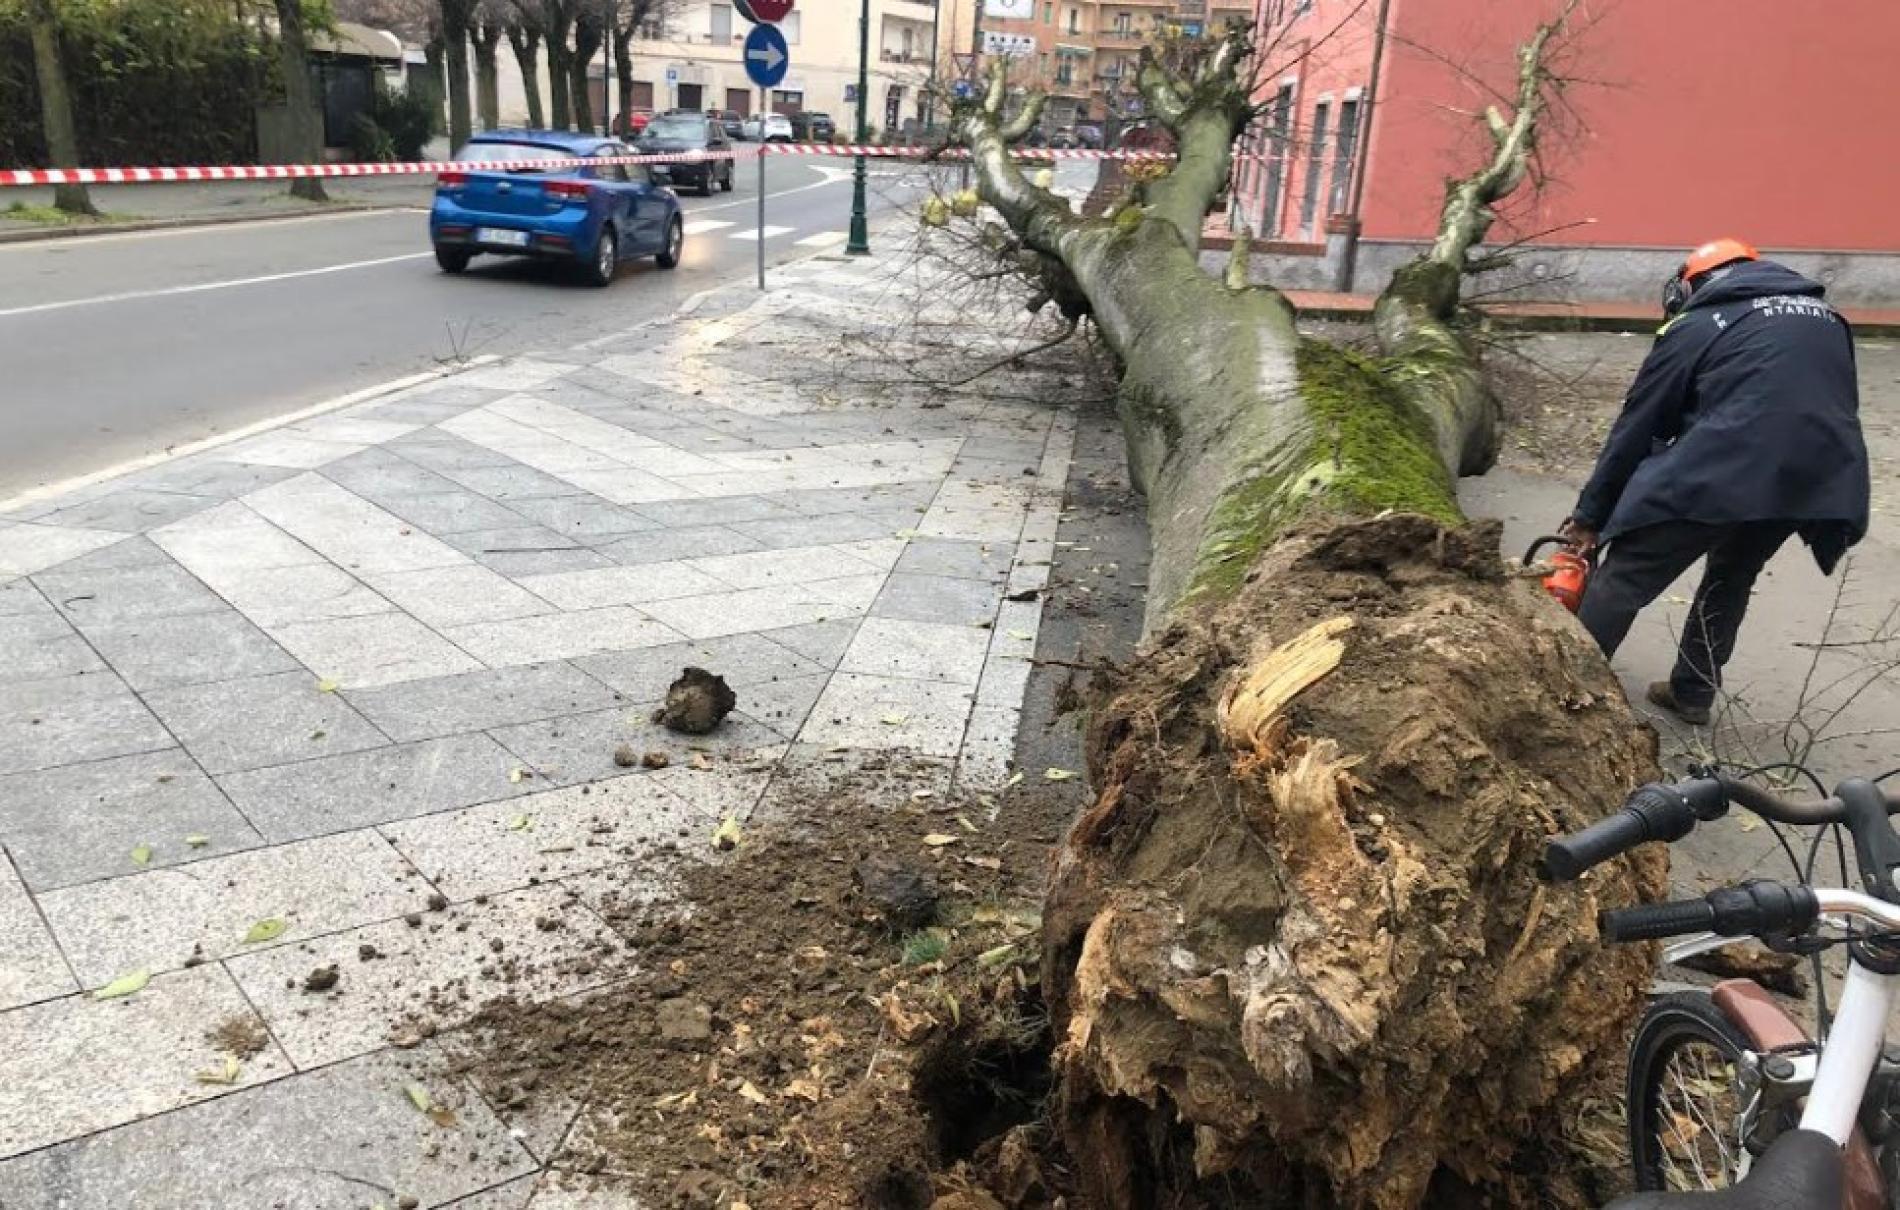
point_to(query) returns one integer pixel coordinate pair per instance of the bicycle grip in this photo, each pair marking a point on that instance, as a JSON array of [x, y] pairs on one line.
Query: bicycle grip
[[1652, 921], [1652, 812]]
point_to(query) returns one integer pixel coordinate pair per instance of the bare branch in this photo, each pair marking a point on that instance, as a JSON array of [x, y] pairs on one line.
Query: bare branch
[[1013, 130]]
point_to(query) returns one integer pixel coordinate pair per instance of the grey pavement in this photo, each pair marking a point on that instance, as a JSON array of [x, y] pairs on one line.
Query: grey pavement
[[347, 693], [217, 201]]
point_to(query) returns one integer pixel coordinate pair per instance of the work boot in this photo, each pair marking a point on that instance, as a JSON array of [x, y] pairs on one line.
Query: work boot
[[1662, 694]]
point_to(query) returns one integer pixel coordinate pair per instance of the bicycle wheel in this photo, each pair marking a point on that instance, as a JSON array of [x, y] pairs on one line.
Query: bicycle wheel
[[1688, 1112]]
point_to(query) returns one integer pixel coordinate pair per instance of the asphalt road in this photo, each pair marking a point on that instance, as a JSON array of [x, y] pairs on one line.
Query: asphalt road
[[117, 346]]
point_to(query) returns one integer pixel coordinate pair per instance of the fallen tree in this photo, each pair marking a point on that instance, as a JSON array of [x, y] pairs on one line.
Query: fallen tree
[[1295, 952]]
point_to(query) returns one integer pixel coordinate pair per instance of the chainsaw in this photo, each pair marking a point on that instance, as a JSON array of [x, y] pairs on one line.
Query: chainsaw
[[1570, 570]]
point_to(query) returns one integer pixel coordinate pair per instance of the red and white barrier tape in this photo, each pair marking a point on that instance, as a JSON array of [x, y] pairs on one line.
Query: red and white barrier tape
[[282, 172]]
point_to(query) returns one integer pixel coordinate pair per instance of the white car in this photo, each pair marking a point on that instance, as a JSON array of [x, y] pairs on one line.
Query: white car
[[778, 129]]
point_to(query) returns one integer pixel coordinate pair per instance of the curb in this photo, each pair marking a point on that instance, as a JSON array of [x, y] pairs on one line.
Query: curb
[[175, 224]]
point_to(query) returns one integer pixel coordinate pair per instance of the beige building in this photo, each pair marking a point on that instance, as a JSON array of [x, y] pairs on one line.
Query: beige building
[[696, 61]]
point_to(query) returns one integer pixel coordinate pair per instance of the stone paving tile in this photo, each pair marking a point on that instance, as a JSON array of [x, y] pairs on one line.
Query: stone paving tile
[[25, 549], [347, 529], [583, 518], [440, 451], [286, 449], [455, 596], [951, 557], [509, 1195], [376, 474], [824, 501], [666, 546], [75, 824], [381, 649], [559, 1189], [130, 510], [514, 538], [118, 1060], [280, 596], [560, 636], [31, 966], [337, 793], [230, 539], [156, 920], [454, 512], [783, 704], [859, 711], [543, 562], [818, 531], [118, 594], [68, 719], [852, 594], [754, 609], [821, 642], [360, 430], [41, 646], [812, 773], [625, 485], [1004, 678], [797, 565], [601, 587], [681, 514], [259, 721], [715, 793], [495, 847], [19, 598], [932, 651], [193, 649], [517, 374], [579, 748], [343, 1138], [476, 701], [579, 952], [207, 476], [135, 551], [525, 444], [987, 759], [512, 481], [937, 599], [745, 660]]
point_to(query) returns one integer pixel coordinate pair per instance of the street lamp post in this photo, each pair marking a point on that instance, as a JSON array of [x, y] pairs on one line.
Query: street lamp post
[[860, 242]]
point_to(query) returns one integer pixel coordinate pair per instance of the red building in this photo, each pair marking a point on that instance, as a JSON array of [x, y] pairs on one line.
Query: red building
[[1684, 120]]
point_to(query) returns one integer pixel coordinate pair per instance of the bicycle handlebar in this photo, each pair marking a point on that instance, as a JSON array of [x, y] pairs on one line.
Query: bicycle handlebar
[[1755, 908]]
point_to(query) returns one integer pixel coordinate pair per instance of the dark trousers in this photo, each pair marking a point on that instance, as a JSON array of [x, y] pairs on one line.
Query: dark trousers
[[1638, 565]]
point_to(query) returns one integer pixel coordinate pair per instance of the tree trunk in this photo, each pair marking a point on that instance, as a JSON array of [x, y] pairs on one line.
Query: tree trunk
[[526, 43], [434, 53], [455, 31], [587, 37], [56, 107], [560, 25], [299, 98], [623, 76], [487, 73], [1296, 953]]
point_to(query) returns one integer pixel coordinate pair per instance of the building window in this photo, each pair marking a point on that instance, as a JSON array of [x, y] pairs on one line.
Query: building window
[[1124, 23], [1075, 21], [1279, 120], [1315, 161], [1344, 148], [1049, 13], [721, 23]]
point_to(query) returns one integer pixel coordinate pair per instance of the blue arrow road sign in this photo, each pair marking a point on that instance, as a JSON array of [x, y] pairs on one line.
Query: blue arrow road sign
[[766, 59], [963, 90]]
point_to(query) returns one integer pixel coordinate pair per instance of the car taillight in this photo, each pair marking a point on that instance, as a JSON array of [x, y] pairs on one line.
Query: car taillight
[[566, 189], [451, 180]]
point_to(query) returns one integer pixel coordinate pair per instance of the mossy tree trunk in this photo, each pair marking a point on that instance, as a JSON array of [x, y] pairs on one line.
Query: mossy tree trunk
[[300, 97], [487, 43], [1295, 952], [56, 106], [557, 20], [457, 16], [525, 40], [587, 39]]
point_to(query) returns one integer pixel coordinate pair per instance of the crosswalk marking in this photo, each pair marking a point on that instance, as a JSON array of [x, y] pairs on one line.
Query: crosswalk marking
[[701, 226], [824, 239], [754, 234]]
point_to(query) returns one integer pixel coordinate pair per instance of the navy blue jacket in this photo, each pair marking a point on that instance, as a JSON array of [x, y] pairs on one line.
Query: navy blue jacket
[[1745, 410]]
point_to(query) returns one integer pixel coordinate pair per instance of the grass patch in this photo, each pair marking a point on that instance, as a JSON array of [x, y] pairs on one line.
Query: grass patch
[[53, 216], [925, 946]]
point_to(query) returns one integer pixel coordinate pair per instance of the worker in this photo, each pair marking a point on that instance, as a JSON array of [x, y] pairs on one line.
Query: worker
[[1741, 430]]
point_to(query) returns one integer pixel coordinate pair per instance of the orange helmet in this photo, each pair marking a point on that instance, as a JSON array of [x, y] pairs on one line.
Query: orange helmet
[[1715, 254]]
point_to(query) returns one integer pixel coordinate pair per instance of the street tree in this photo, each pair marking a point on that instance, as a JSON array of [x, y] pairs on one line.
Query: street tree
[[589, 32], [490, 22], [458, 20], [304, 120], [1295, 952], [629, 18], [524, 38], [56, 104], [557, 27]]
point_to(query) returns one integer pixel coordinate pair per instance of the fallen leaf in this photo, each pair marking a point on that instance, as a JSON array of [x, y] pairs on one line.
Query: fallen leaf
[[419, 1097], [142, 855], [895, 720], [750, 1092], [228, 1074], [964, 822], [802, 1088], [922, 795], [518, 774], [1057, 774], [1021, 636], [1673, 599], [443, 1116], [327, 686], [1015, 780], [1748, 823], [124, 985], [266, 930], [700, 762], [937, 840], [520, 823], [727, 836], [678, 1100], [996, 957], [984, 863], [197, 842]]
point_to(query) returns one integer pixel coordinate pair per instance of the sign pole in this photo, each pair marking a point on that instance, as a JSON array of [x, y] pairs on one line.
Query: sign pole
[[764, 94], [860, 242]]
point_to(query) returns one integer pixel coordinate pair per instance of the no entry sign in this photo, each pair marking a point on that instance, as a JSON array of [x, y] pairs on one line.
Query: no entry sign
[[763, 12]]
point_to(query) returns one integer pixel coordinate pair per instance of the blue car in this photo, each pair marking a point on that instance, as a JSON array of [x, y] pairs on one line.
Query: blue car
[[594, 216]]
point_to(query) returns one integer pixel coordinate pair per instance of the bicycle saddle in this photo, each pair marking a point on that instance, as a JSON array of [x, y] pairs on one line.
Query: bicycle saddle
[[1801, 1169]]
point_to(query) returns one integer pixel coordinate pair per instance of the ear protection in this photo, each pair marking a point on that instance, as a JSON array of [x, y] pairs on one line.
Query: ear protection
[[1675, 295]]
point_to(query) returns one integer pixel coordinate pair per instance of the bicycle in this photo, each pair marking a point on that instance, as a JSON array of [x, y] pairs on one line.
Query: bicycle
[[1731, 1105]]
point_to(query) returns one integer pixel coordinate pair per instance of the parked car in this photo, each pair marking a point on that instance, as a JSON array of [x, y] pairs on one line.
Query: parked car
[[594, 216], [731, 122], [778, 129], [810, 127], [687, 133], [1088, 134], [635, 121], [1064, 137]]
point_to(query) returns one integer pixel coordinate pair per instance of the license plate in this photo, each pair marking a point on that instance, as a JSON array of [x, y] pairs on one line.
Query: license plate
[[493, 235]]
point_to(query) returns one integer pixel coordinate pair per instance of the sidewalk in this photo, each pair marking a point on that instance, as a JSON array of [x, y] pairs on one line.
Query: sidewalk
[[345, 697], [138, 207]]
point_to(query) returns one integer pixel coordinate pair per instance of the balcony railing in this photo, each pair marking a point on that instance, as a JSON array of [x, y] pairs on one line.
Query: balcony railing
[[1115, 39], [899, 56]]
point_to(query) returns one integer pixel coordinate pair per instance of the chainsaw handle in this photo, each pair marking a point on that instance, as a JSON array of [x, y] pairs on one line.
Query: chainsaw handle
[[1530, 556]]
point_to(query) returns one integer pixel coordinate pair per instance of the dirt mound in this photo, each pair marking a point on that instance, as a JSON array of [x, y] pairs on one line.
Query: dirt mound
[[1296, 952]]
